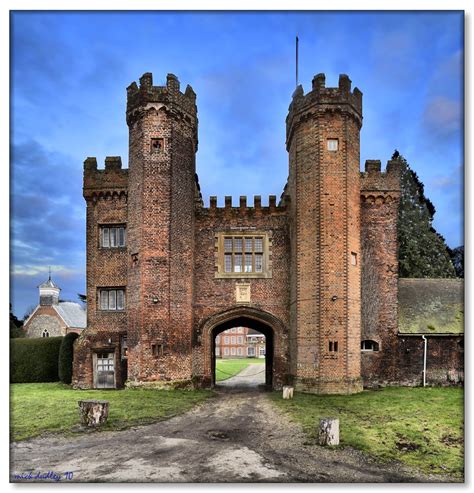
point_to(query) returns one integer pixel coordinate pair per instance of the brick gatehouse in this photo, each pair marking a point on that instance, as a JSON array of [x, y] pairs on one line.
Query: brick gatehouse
[[166, 273]]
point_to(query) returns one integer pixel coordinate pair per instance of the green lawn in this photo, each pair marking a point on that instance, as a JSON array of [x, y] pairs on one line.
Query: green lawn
[[422, 427], [226, 368], [52, 407]]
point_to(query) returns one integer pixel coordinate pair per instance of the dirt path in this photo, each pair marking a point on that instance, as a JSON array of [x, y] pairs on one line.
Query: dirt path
[[237, 436]]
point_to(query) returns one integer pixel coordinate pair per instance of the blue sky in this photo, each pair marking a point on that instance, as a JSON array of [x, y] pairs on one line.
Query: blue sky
[[69, 71]]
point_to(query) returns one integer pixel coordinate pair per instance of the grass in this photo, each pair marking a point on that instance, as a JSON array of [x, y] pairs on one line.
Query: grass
[[52, 407], [226, 368], [421, 427]]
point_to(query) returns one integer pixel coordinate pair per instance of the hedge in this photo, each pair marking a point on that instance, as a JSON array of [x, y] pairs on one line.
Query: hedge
[[65, 357], [34, 360]]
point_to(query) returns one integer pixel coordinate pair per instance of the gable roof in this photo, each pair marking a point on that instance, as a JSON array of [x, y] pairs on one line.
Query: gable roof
[[72, 313], [431, 306]]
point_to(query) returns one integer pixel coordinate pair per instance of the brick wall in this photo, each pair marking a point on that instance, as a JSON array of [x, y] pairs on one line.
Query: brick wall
[[161, 229], [325, 196], [214, 296], [380, 193]]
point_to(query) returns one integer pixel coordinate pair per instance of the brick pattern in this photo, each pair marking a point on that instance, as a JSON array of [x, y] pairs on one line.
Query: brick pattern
[[380, 193], [161, 229], [325, 195], [313, 293]]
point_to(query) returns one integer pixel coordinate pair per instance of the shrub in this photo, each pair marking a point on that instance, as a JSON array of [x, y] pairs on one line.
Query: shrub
[[66, 355], [34, 360]]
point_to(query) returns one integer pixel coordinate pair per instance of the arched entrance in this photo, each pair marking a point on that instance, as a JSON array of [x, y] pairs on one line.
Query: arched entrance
[[263, 322]]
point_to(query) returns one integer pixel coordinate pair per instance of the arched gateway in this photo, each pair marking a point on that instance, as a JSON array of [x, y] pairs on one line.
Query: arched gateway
[[166, 273], [276, 371]]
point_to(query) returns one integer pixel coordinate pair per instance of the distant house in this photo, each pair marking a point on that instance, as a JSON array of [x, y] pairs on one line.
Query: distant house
[[240, 342], [53, 317]]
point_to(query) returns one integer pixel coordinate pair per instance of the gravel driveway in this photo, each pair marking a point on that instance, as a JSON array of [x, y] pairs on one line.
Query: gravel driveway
[[236, 436]]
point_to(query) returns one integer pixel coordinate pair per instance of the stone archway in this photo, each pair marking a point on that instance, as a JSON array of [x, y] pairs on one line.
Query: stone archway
[[274, 330]]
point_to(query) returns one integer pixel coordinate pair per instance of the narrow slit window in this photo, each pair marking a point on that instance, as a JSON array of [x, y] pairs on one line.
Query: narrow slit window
[[353, 258]]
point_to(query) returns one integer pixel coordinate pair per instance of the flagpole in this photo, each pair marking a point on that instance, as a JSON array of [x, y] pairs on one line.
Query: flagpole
[[296, 61]]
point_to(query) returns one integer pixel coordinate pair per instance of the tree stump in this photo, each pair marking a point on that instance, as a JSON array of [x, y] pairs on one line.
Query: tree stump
[[93, 413], [329, 431], [287, 392]]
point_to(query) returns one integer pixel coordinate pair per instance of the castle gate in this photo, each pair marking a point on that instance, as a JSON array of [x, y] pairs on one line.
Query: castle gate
[[267, 324]]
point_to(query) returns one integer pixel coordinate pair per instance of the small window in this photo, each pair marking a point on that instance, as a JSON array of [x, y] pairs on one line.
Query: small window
[[232, 340], [239, 330], [240, 340], [333, 144], [157, 145], [124, 347], [353, 258], [262, 351], [112, 299], [239, 351], [333, 346], [157, 350], [232, 351], [226, 351], [226, 340], [368, 345], [45, 333], [112, 236], [251, 351]]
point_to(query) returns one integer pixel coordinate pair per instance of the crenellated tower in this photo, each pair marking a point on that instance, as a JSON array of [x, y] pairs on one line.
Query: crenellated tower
[[162, 123], [322, 131]]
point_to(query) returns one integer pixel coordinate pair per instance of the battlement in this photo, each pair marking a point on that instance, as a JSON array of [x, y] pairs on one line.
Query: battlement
[[111, 179], [146, 94], [243, 208], [322, 99], [374, 180]]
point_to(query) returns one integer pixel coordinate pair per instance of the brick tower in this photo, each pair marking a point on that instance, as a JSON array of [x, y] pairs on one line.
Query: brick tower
[[162, 125], [324, 186]]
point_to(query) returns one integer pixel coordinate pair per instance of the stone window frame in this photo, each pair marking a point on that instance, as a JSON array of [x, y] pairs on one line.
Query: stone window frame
[[108, 227], [45, 333], [108, 289], [243, 233]]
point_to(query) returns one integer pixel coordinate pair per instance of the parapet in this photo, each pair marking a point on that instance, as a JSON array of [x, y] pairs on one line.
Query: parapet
[[375, 182], [243, 208], [322, 99], [111, 180], [144, 94]]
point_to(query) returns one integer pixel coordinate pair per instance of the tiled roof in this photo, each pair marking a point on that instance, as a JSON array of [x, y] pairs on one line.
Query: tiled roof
[[431, 306], [72, 313]]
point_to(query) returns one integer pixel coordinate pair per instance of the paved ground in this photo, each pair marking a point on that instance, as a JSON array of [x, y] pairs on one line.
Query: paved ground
[[237, 436], [251, 376]]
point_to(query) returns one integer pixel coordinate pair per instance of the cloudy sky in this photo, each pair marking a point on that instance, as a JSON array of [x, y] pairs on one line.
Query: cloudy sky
[[69, 72]]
